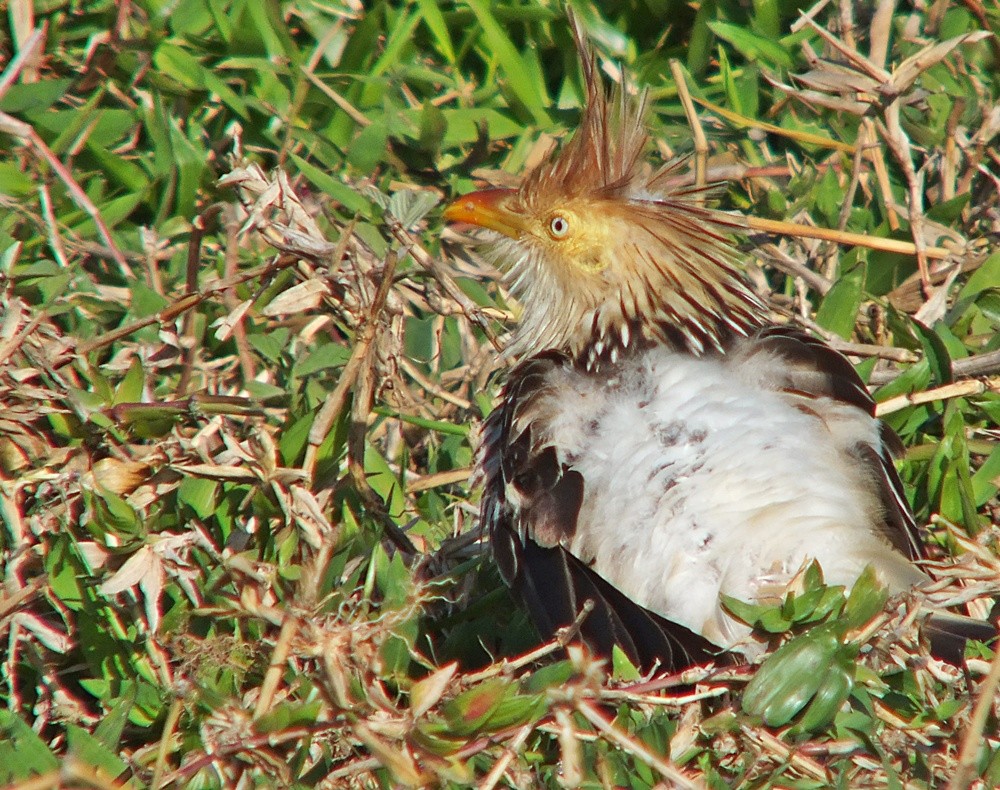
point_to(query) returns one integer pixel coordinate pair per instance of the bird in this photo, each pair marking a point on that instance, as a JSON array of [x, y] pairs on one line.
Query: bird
[[660, 442]]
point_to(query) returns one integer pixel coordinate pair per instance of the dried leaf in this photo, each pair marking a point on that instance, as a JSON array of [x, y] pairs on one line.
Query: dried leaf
[[136, 567], [906, 73], [426, 693], [228, 322], [118, 476], [307, 295], [50, 637]]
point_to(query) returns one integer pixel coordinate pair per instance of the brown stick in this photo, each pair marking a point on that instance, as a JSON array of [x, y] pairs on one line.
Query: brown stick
[[973, 740], [842, 237]]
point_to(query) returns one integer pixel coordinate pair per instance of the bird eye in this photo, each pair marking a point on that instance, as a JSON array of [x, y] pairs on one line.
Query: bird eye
[[558, 226]]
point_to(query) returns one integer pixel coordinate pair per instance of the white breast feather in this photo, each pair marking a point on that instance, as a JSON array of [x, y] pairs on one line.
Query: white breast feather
[[701, 478]]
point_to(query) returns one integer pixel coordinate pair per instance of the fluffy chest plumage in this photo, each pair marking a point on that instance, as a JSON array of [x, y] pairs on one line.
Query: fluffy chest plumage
[[704, 476]]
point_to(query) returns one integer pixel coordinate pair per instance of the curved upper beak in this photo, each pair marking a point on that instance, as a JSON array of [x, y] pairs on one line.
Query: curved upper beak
[[487, 209]]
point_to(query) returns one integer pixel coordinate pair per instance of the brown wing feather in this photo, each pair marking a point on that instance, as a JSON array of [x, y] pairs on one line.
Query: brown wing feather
[[531, 503], [813, 370]]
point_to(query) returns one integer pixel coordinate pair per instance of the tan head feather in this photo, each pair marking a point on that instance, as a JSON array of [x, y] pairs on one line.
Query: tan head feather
[[604, 253]]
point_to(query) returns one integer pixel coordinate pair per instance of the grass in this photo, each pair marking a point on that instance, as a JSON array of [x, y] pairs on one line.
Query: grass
[[241, 370]]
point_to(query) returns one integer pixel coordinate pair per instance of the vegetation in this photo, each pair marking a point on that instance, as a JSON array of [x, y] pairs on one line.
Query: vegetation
[[242, 367]]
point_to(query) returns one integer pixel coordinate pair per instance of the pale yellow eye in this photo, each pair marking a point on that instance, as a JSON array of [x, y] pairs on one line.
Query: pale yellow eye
[[558, 226]]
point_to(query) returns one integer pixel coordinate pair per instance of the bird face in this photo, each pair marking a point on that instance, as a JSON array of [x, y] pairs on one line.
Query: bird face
[[562, 262], [569, 235]]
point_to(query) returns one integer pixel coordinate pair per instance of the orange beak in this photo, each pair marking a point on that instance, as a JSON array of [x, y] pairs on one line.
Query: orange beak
[[487, 209]]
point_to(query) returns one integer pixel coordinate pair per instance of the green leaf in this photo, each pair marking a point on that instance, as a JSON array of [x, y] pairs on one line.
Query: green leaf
[[519, 78], [839, 309], [434, 20], [729, 83], [766, 19], [838, 682], [791, 676], [397, 42], [338, 190], [198, 493], [830, 197], [812, 579], [368, 148], [464, 125], [752, 46], [64, 577], [146, 301], [35, 97], [128, 175], [180, 65], [14, 181], [471, 709], [867, 598], [749, 613], [109, 731], [22, 752], [552, 676], [112, 212], [271, 345], [515, 710], [289, 714], [130, 389], [831, 603], [383, 481], [986, 276], [265, 25], [450, 428], [330, 355], [775, 621], [68, 124], [393, 579], [622, 668], [915, 378], [113, 515], [935, 352], [699, 50], [90, 751], [986, 479], [949, 211]]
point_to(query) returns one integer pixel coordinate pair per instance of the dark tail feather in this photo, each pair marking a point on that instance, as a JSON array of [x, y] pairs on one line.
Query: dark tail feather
[[948, 633], [566, 583]]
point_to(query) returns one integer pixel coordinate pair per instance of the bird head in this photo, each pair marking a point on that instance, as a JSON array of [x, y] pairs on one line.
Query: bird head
[[603, 252]]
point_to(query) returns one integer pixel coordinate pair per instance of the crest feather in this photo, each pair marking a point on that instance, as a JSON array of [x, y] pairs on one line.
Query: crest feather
[[604, 156]]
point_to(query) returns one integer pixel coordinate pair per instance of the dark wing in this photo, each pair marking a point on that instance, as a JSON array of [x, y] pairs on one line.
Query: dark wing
[[531, 502], [813, 370]]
